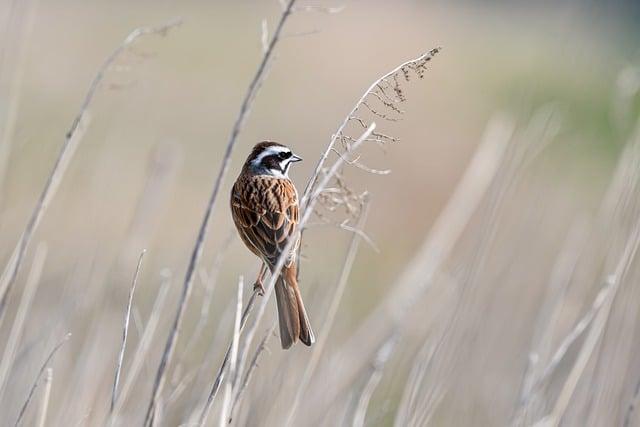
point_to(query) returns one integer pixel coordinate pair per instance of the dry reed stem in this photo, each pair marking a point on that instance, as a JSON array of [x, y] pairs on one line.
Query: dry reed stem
[[327, 324], [202, 233], [32, 390], [143, 348], [231, 380], [125, 331], [17, 328], [73, 137], [44, 405]]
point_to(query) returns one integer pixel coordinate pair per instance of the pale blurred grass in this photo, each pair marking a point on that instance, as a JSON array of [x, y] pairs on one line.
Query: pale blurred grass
[[183, 92]]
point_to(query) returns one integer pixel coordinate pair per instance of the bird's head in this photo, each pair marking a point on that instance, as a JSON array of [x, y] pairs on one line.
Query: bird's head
[[271, 158]]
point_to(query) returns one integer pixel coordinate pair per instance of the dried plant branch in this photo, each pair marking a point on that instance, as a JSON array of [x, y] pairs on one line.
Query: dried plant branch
[[356, 163], [351, 229], [300, 34], [254, 86], [360, 232], [17, 328], [415, 64], [386, 90], [32, 390], [125, 331], [73, 137]]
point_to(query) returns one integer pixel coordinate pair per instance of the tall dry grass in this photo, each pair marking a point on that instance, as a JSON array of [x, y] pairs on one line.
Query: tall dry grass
[[508, 313]]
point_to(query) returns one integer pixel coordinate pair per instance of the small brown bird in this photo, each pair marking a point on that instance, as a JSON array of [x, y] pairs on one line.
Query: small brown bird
[[264, 206]]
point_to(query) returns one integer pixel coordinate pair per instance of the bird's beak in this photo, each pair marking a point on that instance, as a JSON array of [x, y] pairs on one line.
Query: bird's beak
[[295, 158]]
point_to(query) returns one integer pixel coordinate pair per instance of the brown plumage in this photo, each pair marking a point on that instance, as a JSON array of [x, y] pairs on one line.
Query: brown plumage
[[264, 207]]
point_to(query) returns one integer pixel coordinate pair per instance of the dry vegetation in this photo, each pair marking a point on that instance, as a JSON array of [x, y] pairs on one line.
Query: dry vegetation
[[486, 324]]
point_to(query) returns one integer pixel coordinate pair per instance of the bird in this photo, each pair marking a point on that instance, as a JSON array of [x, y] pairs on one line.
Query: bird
[[265, 211]]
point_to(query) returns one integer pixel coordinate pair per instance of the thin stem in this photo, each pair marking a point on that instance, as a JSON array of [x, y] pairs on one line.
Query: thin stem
[[143, 348], [125, 331], [44, 405], [231, 381], [32, 390]]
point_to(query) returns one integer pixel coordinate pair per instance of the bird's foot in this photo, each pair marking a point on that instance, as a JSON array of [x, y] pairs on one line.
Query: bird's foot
[[258, 287]]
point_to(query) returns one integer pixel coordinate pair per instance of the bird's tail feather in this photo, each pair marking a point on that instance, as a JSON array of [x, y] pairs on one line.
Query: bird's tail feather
[[292, 316]]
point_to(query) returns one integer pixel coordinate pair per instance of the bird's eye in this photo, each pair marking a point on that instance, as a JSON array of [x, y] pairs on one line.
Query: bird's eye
[[284, 155]]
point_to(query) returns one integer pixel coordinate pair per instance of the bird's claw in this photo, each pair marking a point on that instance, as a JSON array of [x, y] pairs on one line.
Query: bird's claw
[[259, 288]]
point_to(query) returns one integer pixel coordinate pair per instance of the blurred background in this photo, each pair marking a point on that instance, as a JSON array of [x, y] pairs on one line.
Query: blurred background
[[549, 89]]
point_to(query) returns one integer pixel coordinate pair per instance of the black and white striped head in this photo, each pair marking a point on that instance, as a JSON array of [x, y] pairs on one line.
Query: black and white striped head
[[271, 158]]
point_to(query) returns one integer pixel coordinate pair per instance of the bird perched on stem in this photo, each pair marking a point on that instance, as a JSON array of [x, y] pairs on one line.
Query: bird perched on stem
[[264, 206]]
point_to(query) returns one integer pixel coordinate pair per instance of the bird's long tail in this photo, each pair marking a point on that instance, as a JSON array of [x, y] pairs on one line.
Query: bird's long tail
[[293, 319]]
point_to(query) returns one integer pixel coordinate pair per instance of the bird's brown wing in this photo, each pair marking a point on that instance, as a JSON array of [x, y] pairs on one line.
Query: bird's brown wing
[[265, 211]]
